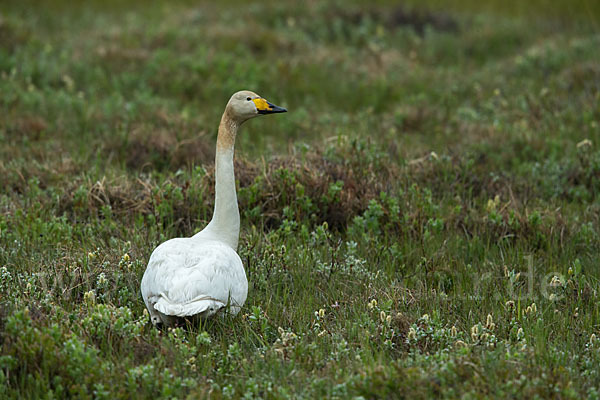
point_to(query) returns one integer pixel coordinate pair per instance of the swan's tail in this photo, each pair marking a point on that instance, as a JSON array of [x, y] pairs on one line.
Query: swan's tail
[[204, 306]]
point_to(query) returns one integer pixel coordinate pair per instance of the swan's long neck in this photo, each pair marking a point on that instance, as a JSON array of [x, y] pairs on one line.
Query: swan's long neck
[[225, 223]]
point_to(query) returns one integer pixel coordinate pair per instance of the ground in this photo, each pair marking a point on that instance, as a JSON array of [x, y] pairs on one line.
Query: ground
[[423, 222]]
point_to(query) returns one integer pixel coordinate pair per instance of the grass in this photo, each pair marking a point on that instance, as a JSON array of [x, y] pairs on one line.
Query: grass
[[422, 223]]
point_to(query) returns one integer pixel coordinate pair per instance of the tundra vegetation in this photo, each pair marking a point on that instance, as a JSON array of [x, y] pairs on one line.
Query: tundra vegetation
[[423, 222]]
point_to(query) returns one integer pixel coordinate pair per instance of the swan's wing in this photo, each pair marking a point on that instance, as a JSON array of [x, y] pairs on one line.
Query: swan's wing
[[186, 278]]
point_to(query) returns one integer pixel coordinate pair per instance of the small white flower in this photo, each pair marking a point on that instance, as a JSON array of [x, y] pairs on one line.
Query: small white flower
[[101, 281], [90, 297], [584, 143], [412, 334], [475, 333], [556, 281], [489, 324]]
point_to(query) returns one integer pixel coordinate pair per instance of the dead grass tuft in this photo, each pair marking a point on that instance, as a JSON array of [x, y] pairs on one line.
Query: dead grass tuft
[[420, 19], [116, 54], [12, 34], [285, 178], [585, 76], [159, 148], [415, 118], [121, 195], [31, 126], [401, 16], [143, 351]]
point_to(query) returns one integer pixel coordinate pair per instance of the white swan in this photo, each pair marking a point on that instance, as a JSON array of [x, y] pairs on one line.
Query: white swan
[[196, 277]]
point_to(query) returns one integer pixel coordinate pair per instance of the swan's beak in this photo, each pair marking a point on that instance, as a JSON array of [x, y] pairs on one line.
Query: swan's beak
[[264, 107]]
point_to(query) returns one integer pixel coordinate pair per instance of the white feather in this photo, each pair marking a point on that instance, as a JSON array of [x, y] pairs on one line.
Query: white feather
[[190, 276]]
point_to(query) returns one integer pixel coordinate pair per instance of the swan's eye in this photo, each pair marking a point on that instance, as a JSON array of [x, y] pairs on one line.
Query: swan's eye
[[248, 98]]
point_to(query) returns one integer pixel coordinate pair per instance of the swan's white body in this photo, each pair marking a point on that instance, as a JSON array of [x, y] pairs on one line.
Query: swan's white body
[[188, 277], [198, 276]]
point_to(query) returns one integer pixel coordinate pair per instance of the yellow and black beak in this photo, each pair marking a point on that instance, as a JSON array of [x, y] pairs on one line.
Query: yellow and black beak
[[264, 107]]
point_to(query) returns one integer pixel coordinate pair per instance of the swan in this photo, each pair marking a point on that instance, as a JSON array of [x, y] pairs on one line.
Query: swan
[[195, 277]]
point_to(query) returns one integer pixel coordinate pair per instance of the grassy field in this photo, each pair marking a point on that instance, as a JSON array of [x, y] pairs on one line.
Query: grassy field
[[423, 222]]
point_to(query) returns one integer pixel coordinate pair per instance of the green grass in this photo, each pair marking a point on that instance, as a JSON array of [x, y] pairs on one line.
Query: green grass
[[424, 222]]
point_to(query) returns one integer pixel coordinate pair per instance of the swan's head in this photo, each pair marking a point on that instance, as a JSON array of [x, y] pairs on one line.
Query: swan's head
[[245, 104]]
